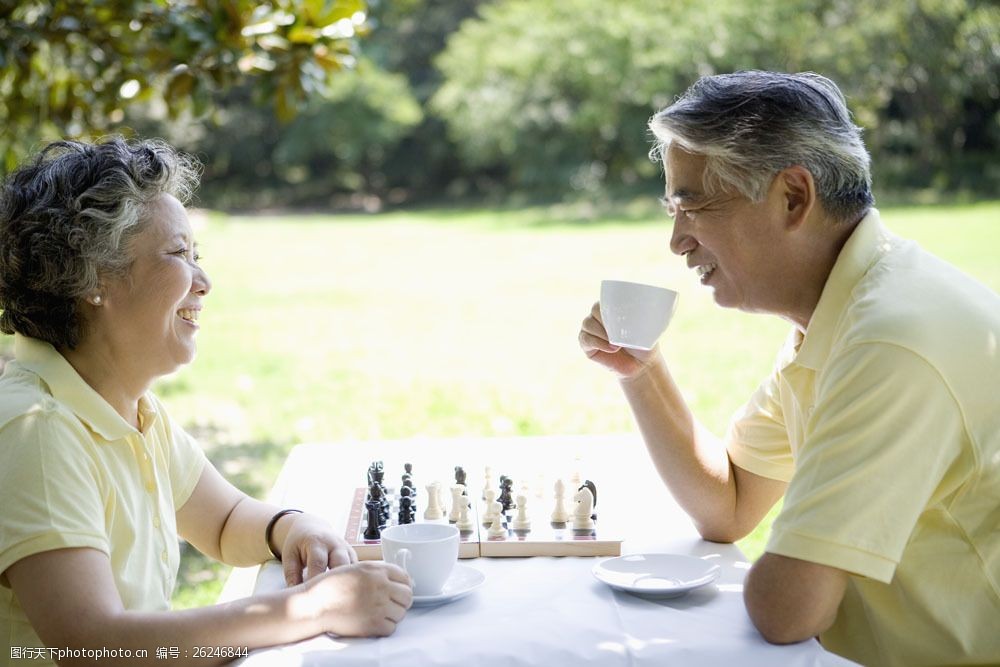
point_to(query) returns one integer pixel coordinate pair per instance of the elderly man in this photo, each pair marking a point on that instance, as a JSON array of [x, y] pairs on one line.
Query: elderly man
[[880, 424]]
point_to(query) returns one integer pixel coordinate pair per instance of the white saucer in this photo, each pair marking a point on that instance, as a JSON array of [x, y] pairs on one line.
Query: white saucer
[[656, 575], [463, 580]]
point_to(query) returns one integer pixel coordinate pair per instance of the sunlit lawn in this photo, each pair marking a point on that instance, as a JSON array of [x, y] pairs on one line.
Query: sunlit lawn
[[450, 323]]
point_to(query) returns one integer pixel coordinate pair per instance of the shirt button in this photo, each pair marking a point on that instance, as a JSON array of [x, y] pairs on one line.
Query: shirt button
[[163, 555], [156, 521]]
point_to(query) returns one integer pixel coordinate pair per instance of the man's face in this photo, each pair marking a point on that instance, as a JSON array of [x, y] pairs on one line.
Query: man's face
[[734, 244]]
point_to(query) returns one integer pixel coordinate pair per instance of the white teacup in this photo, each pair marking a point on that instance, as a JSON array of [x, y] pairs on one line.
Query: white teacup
[[427, 551], [636, 315]]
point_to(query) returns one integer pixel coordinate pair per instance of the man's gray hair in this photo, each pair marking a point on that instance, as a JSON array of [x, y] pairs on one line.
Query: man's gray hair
[[751, 125], [66, 219]]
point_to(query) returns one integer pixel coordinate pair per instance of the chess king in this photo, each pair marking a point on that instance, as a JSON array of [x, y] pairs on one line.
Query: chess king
[[880, 425]]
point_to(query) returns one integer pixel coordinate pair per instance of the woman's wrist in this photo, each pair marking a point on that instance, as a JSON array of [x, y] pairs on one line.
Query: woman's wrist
[[270, 536]]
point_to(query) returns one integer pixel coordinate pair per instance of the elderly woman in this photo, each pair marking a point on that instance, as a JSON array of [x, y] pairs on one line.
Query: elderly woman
[[101, 287]]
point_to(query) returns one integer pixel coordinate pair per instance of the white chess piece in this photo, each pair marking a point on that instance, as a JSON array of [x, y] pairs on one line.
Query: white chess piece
[[433, 510], [560, 514], [496, 528], [584, 508], [457, 502], [521, 521], [465, 522], [494, 511], [488, 483], [491, 497]]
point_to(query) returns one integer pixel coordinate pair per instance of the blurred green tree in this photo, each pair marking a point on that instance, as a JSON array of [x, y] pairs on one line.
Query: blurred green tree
[[559, 93], [70, 68]]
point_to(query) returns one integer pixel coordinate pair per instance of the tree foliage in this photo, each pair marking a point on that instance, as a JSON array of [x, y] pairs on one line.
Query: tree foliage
[[542, 87], [462, 96], [71, 68]]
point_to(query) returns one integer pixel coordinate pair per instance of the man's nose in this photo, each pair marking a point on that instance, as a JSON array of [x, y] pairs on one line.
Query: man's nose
[[681, 241]]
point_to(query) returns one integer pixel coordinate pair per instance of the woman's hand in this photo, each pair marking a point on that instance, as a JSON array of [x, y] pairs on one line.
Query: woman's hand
[[625, 363], [361, 600], [311, 544]]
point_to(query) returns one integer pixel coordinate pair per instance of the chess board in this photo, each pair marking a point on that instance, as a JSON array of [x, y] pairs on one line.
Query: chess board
[[544, 538]]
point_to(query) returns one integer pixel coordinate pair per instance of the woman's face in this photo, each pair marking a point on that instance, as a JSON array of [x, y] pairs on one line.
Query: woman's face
[[151, 314]]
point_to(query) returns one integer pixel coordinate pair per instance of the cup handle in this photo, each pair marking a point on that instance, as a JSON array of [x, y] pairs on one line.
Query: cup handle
[[402, 558]]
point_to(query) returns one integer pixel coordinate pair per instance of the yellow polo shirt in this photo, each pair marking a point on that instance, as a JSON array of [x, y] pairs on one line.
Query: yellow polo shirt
[[73, 473], [885, 420]]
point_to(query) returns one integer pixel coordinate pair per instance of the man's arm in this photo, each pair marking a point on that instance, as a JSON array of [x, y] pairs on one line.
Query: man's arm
[[725, 501], [790, 600]]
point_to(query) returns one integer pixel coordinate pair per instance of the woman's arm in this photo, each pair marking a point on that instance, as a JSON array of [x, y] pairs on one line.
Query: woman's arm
[[223, 522], [70, 598]]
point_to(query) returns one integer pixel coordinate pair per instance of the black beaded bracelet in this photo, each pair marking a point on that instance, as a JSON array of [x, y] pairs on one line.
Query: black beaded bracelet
[[270, 529]]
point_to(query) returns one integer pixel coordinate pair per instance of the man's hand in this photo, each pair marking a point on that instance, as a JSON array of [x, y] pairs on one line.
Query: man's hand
[[623, 362], [310, 543], [362, 600]]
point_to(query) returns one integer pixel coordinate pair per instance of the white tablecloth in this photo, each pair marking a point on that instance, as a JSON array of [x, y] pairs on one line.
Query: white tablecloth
[[539, 611]]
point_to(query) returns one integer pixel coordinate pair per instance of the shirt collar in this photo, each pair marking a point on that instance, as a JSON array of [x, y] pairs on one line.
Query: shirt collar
[[71, 390], [867, 243]]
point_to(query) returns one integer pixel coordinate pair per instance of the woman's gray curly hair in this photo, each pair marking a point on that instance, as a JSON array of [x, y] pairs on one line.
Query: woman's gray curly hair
[[66, 219]]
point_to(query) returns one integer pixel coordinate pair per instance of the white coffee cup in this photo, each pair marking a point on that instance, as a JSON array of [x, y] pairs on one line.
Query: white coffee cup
[[636, 315], [427, 551]]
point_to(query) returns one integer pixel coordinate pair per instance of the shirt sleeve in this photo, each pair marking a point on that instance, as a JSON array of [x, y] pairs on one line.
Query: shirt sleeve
[[883, 432], [187, 462], [50, 488], [757, 439]]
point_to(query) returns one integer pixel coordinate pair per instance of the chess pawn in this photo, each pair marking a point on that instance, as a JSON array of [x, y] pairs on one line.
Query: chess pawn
[[494, 512], [491, 496], [465, 523], [433, 510], [457, 502], [521, 521], [584, 508], [405, 510], [496, 528], [560, 514]]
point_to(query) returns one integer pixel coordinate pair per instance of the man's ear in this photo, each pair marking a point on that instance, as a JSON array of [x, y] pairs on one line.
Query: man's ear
[[798, 192]]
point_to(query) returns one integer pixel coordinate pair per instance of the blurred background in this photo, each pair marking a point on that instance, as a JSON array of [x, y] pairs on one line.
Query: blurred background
[[407, 206]]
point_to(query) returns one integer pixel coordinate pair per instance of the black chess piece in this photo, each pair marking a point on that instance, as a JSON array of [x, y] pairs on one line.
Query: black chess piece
[[409, 493], [406, 513], [373, 528], [376, 495], [408, 467], [460, 475], [378, 471], [593, 491], [506, 495]]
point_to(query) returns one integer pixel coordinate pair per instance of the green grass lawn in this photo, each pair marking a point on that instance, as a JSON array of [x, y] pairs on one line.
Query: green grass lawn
[[458, 322]]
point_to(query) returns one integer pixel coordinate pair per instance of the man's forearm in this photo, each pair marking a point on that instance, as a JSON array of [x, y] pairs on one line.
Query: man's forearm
[[690, 460]]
